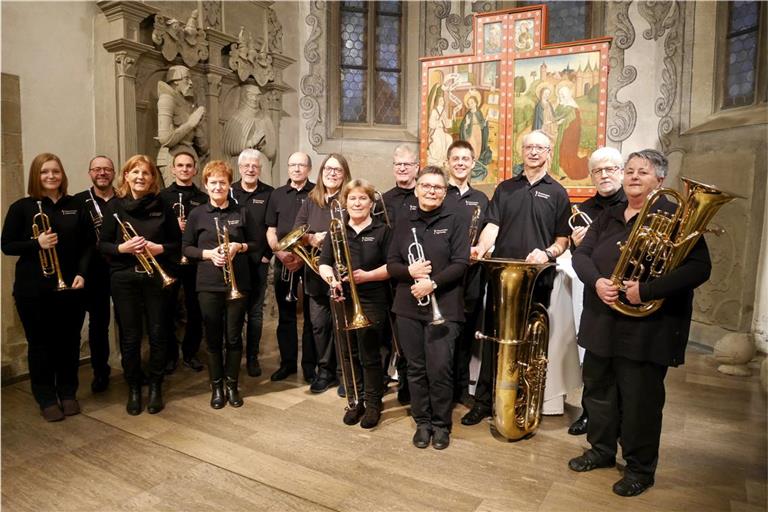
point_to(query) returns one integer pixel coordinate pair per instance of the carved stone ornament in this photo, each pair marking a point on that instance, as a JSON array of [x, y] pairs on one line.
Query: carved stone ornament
[[275, 32], [175, 38], [212, 14], [248, 60], [670, 76], [460, 27], [622, 115], [437, 11], [312, 84]]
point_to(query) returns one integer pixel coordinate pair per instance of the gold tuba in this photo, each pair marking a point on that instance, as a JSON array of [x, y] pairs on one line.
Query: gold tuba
[[147, 262], [521, 329], [659, 242], [222, 237], [49, 258]]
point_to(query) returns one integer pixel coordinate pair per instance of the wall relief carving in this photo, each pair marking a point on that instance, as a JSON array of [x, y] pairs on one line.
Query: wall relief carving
[[313, 84], [275, 31], [185, 39], [459, 26], [212, 14], [656, 14], [436, 12], [622, 115], [249, 59]]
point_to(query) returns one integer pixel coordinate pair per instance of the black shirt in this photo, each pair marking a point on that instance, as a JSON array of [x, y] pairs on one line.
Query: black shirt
[[152, 219], [257, 203], [284, 204], [368, 251], [200, 234], [68, 221], [529, 216], [660, 337], [191, 196], [398, 202], [318, 219], [445, 241], [597, 204]]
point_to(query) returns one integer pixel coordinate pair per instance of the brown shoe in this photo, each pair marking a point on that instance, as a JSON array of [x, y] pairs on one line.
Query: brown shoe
[[52, 413], [70, 407]]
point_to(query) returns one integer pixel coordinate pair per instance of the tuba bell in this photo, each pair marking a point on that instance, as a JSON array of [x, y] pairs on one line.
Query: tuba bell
[[659, 242], [521, 329], [292, 243]]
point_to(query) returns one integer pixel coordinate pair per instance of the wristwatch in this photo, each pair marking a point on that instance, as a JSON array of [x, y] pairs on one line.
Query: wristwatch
[[434, 285], [550, 256]]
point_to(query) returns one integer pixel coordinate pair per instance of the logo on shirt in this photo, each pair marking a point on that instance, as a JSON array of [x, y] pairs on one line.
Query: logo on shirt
[[368, 239], [257, 201], [233, 222], [439, 231], [541, 194], [471, 203], [195, 203], [69, 212], [412, 207], [156, 214]]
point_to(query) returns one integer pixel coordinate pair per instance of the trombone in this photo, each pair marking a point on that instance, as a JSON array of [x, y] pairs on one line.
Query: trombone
[[416, 253], [178, 209], [222, 236], [97, 218], [49, 258], [147, 263]]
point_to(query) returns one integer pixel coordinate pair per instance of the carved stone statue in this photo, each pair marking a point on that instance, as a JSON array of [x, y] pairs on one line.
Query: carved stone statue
[[249, 60], [179, 126], [250, 127], [175, 38]]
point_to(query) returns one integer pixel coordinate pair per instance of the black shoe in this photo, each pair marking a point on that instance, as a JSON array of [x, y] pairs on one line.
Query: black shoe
[[52, 413], [579, 426], [100, 383], [155, 404], [353, 414], [70, 406], [171, 366], [218, 398], [628, 487], [321, 385], [422, 436], [194, 364], [441, 438], [475, 415], [283, 373], [253, 367], [404, 395], [233, 394], [463, 398], [309, 376], [134, 405], [372, 415], [589, 461], [341, 391]]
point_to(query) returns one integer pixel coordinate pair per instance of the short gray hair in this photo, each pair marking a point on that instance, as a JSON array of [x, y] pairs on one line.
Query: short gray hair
[[538, 132], [655, 158], [407, 149], [613, 155], [249, 154]]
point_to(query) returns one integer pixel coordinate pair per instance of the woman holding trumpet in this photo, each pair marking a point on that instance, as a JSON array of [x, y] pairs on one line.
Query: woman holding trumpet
[[368, 242], [141, 237], [48, 231], [217, 235], [428, 257]]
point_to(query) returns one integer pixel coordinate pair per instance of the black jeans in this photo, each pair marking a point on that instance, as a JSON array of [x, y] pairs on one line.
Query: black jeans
[[193, 329], [223, 320], [96, 296], [629, 395], [255, 299], [429, 351], [52, 326], [287, 324], [136, 296], [322, 330]]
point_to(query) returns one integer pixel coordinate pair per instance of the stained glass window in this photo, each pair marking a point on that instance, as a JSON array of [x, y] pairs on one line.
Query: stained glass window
[[741, 55], [371, 62]]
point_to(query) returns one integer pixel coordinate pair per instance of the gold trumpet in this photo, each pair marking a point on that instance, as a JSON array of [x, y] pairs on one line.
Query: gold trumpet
[[576, 214], [49, 258], [474, 225], [178, 209], [222, 236], [147, 263], [416, 253]]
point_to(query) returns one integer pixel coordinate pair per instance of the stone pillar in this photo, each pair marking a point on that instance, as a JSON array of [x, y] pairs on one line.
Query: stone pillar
[[760, 318]]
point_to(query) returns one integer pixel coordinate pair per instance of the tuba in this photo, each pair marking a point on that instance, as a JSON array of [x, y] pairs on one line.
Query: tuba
[[521, 329], [49, 258], [147, 262], [659, 242], [222, 236]]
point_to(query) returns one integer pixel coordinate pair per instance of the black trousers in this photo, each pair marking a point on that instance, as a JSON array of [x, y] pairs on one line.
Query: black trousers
[[52, 324], [287, 324], [256, 297], [223, 321], [628, 395], [137, 296], [322, 331], [193, 329], [429, 351], [96, 297]]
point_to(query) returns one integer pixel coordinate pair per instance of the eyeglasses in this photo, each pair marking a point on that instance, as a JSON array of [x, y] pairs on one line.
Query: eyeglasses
[[330, 171], [403, 164], [535, 148], [97, 170], [437, 189], [610, 171], [250, 166]]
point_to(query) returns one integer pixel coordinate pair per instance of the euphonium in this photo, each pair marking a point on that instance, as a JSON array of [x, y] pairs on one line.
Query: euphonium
[[147, 262], [521, 329], [222, 236], [416, 253], [659, 242], [49, 258], [292, 243], [178, 209], [576, 213]]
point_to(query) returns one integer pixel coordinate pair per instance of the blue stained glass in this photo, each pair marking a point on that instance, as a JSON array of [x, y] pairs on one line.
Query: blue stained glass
[[740, 84], [388, 42], [353, 47], [744, 15], [353, 96], [387, 98], [391, 7]]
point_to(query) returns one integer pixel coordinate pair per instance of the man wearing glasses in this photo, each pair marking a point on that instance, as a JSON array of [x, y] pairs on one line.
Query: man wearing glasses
[[527, 219], [253, 195], [607, 172], [101, 170]]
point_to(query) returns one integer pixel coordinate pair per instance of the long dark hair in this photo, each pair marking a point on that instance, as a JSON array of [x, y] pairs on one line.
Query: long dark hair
[[317, 194]]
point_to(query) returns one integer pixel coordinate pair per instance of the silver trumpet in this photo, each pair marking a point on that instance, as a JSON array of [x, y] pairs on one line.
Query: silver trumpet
[[415, 254], [97, 217]]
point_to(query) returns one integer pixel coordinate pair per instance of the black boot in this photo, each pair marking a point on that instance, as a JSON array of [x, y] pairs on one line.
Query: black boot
[[134, 405], [233, 394], [372, 414], [218, 398], [155, 404]]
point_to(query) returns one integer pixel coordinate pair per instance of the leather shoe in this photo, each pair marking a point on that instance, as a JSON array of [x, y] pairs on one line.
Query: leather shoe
[[134, 405], [372, 415], [171, 366], [70, 407], [218, 398], [579, 426], [441, 438], [353, 414], [52, 413], [422, 436], [475, 415], [253, 367], [321, 385], [233, 393], [100, 383], [194, 364], [589, 461], [628, 487], [282, 373], [309, 376], [155, 404]]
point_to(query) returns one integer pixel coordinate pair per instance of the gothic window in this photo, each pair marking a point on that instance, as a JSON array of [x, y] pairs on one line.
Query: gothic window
[[742, 55], [370, 63]]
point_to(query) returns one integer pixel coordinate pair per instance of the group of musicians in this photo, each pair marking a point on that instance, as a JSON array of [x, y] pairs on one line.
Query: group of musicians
[[411, 266]]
